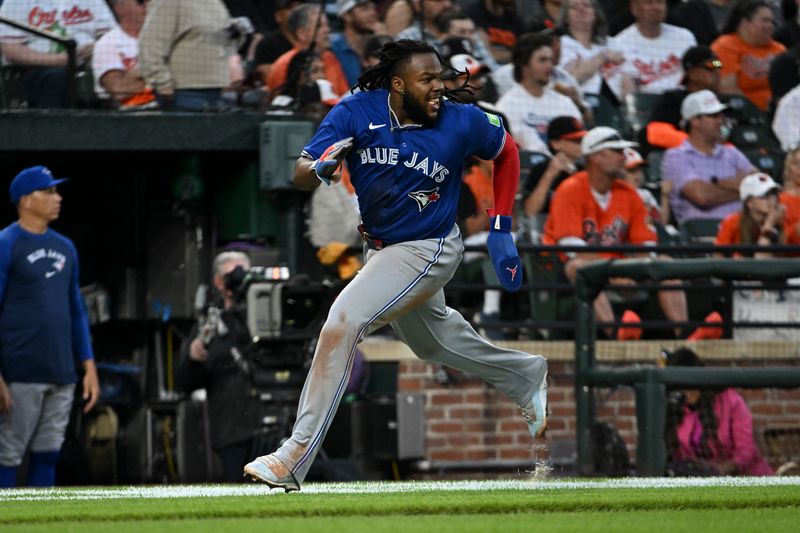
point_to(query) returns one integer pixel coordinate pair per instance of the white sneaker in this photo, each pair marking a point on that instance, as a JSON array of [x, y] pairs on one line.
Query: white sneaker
[[535, 412], [270, 470]]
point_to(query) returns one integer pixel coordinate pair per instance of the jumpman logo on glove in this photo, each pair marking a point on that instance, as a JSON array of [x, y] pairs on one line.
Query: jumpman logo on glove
[[513, 272]]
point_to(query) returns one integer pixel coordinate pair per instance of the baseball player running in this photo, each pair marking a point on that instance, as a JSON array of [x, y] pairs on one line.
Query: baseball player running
[[405, 146]]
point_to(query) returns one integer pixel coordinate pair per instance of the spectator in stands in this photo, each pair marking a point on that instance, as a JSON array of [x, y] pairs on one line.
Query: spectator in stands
[[399, 15], [789, 34], [786, 123], [275, 43], [784, 74], [701, 71], [45, 61], [309, 27], [564, 136], [746, 48], [211, 359], [531, 104], [634, 175], [761, 219], [306, 90], [585, 48], [184, 52], [710, 431], [596, 207], [652, 51], [455, 24], [115, 62], [500, 24], [705, 173], [790, 197], [360, 19], [427, 30], [372, 50], [721, 12]]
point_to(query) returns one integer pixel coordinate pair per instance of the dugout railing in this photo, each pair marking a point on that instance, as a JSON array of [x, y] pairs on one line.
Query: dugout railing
[[650, 383]]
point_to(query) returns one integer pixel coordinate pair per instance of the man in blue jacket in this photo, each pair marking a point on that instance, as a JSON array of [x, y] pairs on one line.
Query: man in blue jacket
[[43, 332]]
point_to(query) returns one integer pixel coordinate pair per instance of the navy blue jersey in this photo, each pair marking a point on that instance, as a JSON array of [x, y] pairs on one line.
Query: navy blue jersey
[[408, 179], [43, 326]]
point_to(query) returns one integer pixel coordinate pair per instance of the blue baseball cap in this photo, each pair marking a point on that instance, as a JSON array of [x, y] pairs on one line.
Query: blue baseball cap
[[30, 180]]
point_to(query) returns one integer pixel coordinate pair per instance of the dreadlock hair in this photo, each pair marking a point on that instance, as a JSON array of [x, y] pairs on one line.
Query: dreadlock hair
[[394, 55]]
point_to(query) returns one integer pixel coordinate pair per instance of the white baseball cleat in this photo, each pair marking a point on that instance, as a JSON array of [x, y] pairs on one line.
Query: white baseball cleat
[[535, 412], [270, 470]]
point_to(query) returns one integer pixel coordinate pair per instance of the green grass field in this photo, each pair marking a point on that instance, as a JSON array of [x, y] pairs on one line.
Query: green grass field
[[697, 505]]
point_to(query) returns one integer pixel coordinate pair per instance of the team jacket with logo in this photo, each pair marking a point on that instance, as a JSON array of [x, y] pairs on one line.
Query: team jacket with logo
[[43, 324], [408, 179]]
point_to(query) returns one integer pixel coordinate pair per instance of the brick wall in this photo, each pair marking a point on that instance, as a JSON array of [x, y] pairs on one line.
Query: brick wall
[[469, 420]]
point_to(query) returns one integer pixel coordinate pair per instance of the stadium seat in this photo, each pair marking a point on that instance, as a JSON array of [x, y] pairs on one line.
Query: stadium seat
[[743, 111], [746, 136], [12, 88], [638, 108], [769, 160], [528, 159], [699, 230], [548, 304], [653, 174], [606, 114]]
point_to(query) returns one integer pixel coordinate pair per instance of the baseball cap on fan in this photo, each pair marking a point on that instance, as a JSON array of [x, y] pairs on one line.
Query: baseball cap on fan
[[700, 103], [465, 62], [343, 6], [633, 159], [32, 179], [603, 138], [565, 127], [757, 185]]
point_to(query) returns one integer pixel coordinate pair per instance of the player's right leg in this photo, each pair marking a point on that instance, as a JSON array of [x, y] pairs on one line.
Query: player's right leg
[[17, 427], [437, 333]]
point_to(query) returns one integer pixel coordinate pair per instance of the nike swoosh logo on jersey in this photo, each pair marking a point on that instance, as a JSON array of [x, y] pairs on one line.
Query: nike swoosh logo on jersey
[[375, 126], [50, 274]]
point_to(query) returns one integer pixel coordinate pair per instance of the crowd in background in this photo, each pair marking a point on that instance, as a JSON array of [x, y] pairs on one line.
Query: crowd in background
[[709, 88]]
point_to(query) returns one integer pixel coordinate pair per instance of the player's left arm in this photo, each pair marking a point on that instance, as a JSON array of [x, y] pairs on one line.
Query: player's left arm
[[81, 340], [502, 250]]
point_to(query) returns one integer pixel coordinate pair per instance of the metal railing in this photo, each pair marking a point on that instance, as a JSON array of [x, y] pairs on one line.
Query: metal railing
[[69, 45]]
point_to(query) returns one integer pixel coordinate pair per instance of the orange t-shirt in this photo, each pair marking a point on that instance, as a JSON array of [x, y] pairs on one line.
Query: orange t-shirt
[[574, 212], [791, 218], [333, 71], [729, 230], [750, 65]]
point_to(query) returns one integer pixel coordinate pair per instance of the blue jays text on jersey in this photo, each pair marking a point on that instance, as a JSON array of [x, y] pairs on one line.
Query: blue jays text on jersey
[[407, 179]]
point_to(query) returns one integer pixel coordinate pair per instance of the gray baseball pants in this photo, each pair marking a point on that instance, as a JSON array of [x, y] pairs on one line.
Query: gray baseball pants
[[400, 285], [38, 418]]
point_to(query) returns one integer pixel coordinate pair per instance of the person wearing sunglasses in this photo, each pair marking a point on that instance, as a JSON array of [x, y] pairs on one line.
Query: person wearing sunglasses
[[701, 70], [705, 173]]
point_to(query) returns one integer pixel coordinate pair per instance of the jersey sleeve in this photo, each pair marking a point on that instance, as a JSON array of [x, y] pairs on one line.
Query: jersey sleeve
[[6, 242], [337, 125], [486, 133], [81, 342]]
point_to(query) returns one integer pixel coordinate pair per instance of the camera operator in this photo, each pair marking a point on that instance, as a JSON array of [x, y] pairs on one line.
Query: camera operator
[[212, 359]]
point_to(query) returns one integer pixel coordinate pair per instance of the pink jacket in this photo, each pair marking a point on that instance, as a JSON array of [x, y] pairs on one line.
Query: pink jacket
[[735, 435]]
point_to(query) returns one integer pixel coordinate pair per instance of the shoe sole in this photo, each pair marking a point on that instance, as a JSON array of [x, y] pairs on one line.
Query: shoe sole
[[248, 472]]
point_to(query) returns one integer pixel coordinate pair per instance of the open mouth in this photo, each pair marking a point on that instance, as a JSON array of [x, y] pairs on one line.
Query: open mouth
[[434, 103]]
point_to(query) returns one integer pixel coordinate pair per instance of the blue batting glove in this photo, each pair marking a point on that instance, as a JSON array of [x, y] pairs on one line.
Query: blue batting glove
[[331, 159], [503, 253]]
